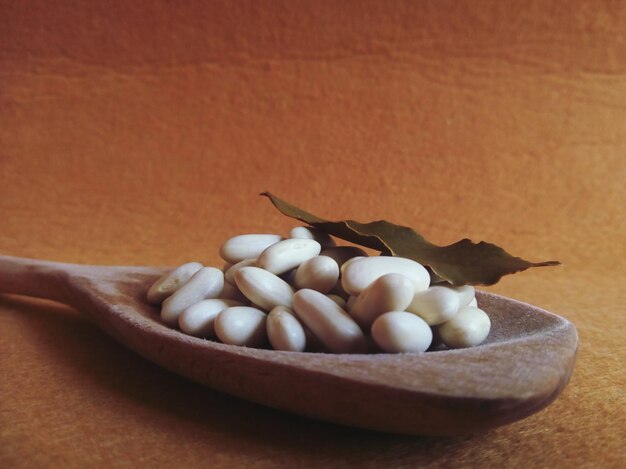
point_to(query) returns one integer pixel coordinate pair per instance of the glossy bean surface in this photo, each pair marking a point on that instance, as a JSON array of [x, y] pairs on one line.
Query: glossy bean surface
[[359, 274], [206, 283], [171, 282], [241, 325], [198, 320], [288, 254], [401, 332], [470, 327], [391, 292], [284, 331], [436, 305], [330, 324], [247, 246], [318, 273], [263, 288]]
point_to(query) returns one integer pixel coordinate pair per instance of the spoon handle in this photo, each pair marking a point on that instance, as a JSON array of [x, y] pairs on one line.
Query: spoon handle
[[32, 277]]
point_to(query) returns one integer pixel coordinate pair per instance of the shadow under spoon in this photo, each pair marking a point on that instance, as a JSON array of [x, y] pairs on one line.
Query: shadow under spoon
[[522, 367]]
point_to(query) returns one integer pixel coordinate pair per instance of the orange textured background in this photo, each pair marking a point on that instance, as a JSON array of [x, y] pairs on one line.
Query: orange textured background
[[142, 132]]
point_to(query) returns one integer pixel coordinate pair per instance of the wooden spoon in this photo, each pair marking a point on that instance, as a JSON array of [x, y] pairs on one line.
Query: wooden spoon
[[523, 365]]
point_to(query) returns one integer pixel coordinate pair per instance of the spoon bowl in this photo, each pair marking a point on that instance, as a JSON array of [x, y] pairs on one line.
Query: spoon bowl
[[522, 367]]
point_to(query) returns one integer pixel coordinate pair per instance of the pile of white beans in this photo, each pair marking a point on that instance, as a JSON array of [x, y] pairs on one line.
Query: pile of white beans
[[307, 293]]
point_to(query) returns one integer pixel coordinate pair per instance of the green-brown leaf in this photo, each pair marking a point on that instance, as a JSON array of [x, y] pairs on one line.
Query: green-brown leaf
[[461, 263]]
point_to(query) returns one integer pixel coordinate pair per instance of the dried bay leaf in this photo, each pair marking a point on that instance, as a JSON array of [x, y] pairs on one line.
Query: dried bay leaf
[[461, 263]]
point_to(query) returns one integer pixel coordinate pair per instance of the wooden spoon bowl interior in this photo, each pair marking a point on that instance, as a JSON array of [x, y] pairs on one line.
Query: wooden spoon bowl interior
[[522, 366]]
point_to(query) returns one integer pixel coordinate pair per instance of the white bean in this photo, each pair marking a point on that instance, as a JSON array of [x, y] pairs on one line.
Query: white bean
[[466, 294], [287, 254], [263, 288], [401, 332], [284, 331], [330, 324], [171, 281], [206, 283], [229, 275], [468, 328], [241, 325], [247, 246], [358, 275], [309, 232], [342, 253], [345, 265], [435, 305], [473, 303], [391, 292], [198, 319], [319, 273]]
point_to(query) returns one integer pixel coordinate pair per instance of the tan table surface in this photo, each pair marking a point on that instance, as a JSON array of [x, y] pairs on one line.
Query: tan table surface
[[141, 133]]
